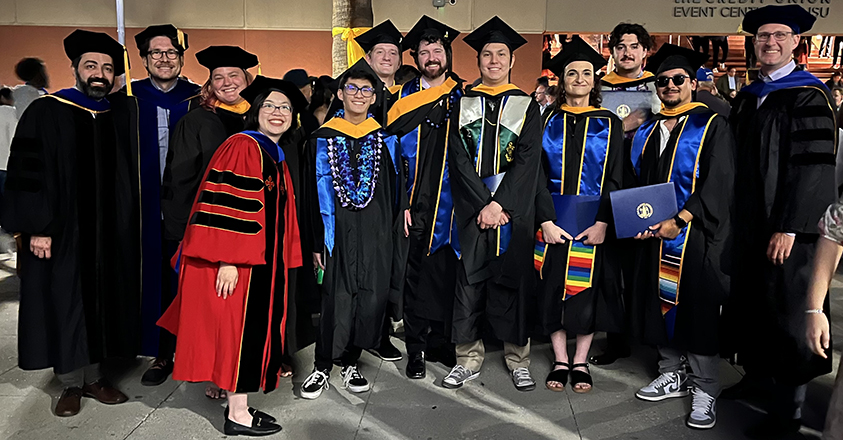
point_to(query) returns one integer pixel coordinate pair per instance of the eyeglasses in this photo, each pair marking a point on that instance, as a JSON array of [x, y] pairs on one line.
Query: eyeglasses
[[366, 91], [678, 80], [157, 54], [270, 108], [765, 36]]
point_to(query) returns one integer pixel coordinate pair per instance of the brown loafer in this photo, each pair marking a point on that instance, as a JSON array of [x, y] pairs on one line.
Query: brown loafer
[[69, 402], [104, 392]]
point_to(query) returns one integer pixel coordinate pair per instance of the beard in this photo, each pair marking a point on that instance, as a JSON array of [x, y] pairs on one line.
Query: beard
[[672, 102], [94, 91], [440, 70]]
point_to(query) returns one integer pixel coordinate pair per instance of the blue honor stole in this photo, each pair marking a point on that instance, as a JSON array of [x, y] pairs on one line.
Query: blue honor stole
[[325, 179], [684, 171], [580, 265], [513, 109], [444, 229]]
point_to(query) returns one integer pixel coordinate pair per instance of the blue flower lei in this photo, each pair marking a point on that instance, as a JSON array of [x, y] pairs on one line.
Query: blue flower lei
[[355, 187]]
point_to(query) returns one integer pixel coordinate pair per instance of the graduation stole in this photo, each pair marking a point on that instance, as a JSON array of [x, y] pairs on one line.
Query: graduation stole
[[78, 99], [324, 174], [580, 266], [684, 171], [413, 98], [510, 121]]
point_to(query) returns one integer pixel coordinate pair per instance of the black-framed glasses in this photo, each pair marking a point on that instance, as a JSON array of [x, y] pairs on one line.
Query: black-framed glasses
[[269, 108], [366, 91], [678, 80], [158, 54], [765, 36]]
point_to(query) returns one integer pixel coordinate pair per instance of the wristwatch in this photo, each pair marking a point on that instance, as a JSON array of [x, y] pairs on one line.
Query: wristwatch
[[680, 222]]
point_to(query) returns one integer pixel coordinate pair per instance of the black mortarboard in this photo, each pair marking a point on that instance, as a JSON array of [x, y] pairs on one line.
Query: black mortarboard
[[298, 77], [263, 84], [226, 56], [793, 16], [494, 31], [385, 32], [576, 50], [434, 27], [81, 42], [162, 30], [671, 56], [360, 65]]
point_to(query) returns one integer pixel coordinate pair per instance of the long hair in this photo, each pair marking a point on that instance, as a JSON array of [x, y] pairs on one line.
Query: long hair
[[251, 121], [208, 99], [595, 98]]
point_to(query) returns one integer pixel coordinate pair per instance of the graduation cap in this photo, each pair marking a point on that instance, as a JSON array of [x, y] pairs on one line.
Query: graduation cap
[[671, 56], [494, 31], [81, 42], [162, 30], [793, 16], [262, 84], [576, 50], [214, 57], [298, 77], [385, 32], [427, 25], [360, 66]]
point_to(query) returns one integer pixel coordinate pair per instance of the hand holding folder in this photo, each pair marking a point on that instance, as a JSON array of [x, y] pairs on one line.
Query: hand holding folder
[[575, 214], [637, 209]]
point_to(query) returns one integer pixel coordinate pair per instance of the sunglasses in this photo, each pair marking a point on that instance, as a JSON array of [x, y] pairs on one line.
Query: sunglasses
[[678, 80]]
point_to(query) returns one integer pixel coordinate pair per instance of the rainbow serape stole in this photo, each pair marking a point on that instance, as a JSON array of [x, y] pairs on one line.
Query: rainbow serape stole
[[580, 269]]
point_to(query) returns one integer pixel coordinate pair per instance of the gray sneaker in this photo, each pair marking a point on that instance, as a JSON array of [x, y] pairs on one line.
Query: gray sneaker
[[458, 376], [522, 379], [703, 414], [666, 386]]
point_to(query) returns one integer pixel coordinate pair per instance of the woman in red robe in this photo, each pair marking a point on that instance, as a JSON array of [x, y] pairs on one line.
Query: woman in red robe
[[242, 239]]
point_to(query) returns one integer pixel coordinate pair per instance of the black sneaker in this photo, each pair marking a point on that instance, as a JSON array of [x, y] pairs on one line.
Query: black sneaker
[[157, 373], [314, 384], [353, 381], [387, 351]]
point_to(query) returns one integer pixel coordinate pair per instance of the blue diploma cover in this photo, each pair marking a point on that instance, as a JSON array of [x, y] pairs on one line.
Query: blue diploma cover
[[575, 214], [636, 209]]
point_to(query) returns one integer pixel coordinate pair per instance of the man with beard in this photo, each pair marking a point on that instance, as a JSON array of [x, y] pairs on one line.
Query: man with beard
[[70, 193], [784, 123], [681, 276], [162, 100], [421, 119], [494, 155]]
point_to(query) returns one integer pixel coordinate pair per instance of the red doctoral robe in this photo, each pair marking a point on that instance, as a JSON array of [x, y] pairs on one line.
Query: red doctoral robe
[[241, 216]]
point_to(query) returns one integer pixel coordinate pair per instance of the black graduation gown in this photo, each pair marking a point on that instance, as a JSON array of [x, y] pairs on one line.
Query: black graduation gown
[[598, 307], [784, 183], [192, 144], [706, 265], [304, 298], [69, 180], [421, 119], [480, 262], [355, 286]]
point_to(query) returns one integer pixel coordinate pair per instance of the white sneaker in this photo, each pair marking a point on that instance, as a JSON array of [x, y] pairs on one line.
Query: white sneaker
[[666, 386], [458, 376], [703, 414]]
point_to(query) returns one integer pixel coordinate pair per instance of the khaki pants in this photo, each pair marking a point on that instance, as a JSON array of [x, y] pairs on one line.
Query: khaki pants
[[471, 355]]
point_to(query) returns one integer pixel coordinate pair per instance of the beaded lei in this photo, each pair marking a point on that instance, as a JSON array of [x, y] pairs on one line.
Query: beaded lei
[[355, 187]]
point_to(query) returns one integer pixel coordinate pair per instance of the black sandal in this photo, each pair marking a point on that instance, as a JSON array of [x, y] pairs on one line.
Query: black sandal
[[560, 376], [581, 377]]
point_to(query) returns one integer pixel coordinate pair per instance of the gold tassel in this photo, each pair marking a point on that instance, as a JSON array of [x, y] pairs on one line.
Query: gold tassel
[[128, 74], [259, 69], [180, 35]]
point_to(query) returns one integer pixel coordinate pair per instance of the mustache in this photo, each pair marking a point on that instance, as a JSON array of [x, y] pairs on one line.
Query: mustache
[[103, 83]]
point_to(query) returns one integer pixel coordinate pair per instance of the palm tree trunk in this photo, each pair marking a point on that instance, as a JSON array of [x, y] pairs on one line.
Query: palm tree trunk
[[348, 14]]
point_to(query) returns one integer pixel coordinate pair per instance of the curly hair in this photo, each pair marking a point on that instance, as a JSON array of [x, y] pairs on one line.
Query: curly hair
[[431, 37], [622, 29], [208, 99]]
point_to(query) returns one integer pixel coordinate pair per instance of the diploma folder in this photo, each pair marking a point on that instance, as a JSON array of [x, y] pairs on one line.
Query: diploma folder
[[622, 102], [575, 214], [636, 209]]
